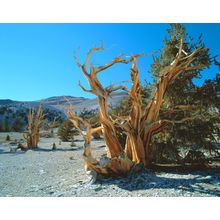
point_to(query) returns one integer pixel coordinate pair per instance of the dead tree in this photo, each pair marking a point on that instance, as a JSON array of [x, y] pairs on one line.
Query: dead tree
[[32, 134], [141, 124]]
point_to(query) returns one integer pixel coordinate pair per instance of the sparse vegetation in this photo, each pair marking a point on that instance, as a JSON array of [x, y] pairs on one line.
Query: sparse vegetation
[[153, 131], [54, 147], [15, 119], [8, 138], [172, 121]]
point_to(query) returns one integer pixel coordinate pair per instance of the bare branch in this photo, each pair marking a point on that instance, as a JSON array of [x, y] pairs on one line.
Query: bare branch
[[83, 88], [192, 54], [111, 89], [183, 51], [70, 104], [89, 54], [138, 55], [76, 120], [178, 56], [117, 59], [180, 49], [54, 123], [76, 59]]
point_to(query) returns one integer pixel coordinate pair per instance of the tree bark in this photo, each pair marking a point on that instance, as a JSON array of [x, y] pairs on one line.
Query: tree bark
[[140, 124]]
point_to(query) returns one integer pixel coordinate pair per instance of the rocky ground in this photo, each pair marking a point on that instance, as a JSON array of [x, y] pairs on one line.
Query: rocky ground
[[44, 172]]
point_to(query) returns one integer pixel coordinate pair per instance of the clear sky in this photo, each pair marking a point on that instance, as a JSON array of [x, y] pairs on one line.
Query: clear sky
[[36, 60]]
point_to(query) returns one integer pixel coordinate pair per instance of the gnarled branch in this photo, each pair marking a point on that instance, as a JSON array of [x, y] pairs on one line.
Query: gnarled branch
[[118, 59], [83, 88]]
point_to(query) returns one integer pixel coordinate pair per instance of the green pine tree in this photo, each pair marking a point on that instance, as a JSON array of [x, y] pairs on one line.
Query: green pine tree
[[66, 131], [198, 104]]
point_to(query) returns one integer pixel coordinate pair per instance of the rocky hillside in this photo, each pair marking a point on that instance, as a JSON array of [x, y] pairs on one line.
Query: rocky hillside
[[13, 114], [59, 103]]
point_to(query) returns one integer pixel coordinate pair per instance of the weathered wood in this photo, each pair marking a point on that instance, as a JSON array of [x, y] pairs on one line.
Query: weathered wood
[[32, 134], [140, 124]]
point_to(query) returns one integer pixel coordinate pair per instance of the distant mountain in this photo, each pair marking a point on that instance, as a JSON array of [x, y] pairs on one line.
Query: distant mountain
[[60, 104], [13, 114], [6, 101]]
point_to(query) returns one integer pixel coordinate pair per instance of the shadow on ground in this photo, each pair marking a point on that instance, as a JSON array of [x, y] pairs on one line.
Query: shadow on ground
[[79, 140], [57, 150], [1, 150], [207, 182], [41, 150]]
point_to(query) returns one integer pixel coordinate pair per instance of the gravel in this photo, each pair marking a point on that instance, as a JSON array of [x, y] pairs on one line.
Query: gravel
[[43, 172]]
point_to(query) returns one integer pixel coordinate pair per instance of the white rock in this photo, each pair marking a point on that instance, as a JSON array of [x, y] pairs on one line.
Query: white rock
[[41, 172]]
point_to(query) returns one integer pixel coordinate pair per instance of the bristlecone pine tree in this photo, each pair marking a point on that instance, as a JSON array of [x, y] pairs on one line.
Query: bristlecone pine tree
[[142, 122], [183, 99], [194, 109], [35, 120]]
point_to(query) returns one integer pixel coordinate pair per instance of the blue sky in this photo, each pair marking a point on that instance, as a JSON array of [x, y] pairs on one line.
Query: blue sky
[[36, 60]]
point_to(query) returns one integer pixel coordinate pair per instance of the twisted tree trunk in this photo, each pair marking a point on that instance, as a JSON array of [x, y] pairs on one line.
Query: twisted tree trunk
[[140, 124]]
